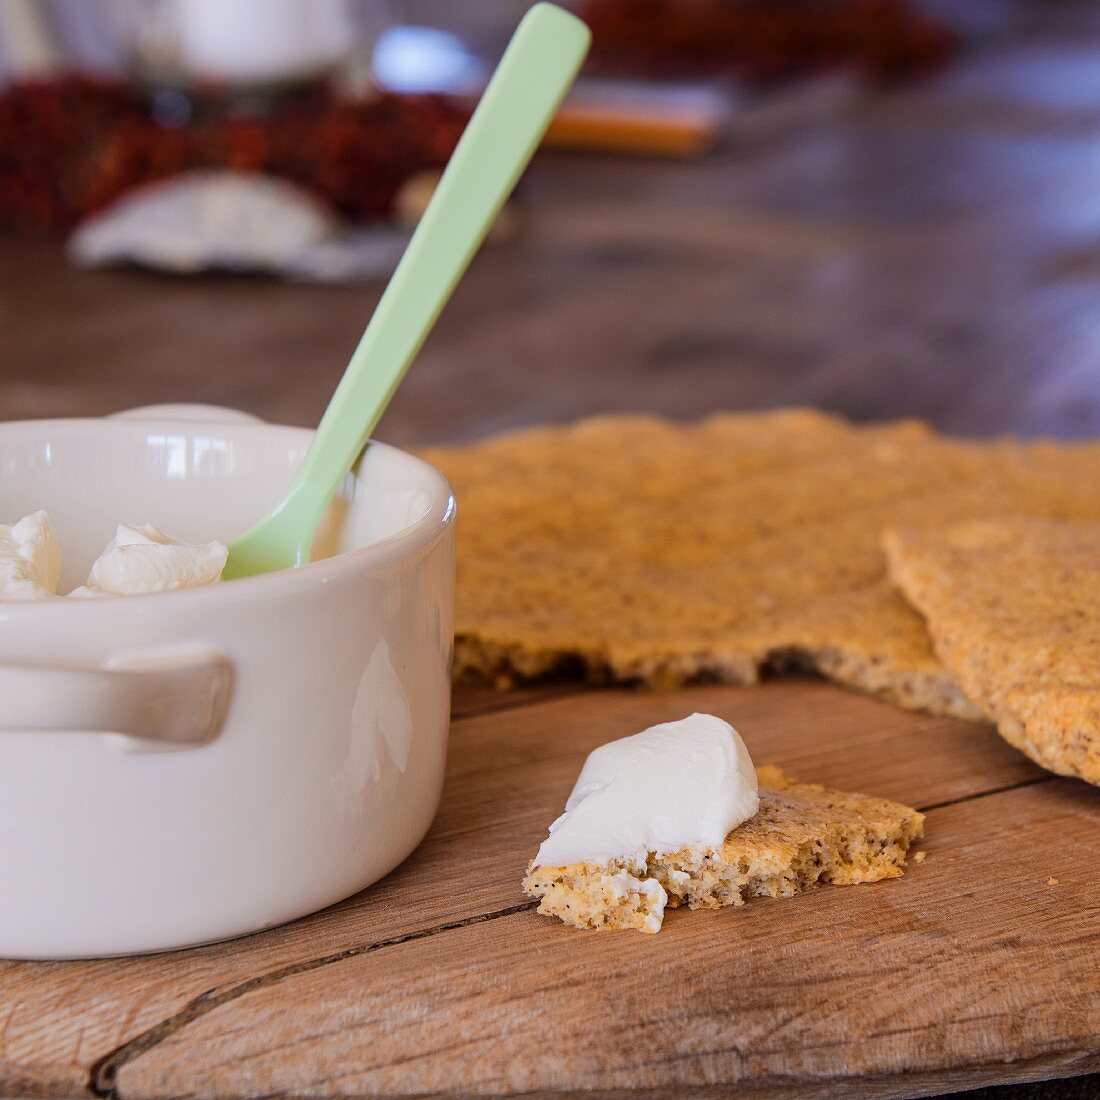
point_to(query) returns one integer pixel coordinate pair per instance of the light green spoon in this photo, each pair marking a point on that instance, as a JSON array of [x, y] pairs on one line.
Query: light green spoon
[[534, 74]]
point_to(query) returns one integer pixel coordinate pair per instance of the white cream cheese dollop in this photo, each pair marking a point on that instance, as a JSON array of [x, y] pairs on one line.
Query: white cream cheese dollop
[[30, 562], [677, 785], [143, 559], [138, 559]]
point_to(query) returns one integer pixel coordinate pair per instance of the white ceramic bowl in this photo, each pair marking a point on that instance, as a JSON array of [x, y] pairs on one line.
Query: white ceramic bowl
[[188, 766]]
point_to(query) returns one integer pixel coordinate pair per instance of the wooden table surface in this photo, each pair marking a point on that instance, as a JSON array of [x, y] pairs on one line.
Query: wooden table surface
[[935, 252]]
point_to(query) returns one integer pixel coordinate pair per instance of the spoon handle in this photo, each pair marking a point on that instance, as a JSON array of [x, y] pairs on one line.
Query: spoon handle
[[533, 76]]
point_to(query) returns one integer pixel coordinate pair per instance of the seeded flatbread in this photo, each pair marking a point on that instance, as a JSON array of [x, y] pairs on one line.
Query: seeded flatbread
[[642, 550], [1013, 608], [802, 835]]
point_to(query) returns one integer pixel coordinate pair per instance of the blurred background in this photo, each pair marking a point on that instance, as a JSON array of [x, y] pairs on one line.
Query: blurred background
[[878, 207]]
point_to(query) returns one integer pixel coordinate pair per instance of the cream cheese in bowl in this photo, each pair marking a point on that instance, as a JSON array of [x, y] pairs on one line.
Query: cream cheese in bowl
[[137, 560], [30, 564]]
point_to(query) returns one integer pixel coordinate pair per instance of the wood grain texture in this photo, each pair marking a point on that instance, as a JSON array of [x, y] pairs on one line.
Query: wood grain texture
[[970, 964], [508, 775], [934, 253], [470, 698]]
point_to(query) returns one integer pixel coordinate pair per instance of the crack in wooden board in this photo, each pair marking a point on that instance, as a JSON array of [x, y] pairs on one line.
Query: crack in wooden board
[[508, 775], [104, 1072], [966, 971], [985, 794]]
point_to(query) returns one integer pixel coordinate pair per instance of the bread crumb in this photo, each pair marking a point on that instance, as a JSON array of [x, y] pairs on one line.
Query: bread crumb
[[918, 857], [1052, 882]]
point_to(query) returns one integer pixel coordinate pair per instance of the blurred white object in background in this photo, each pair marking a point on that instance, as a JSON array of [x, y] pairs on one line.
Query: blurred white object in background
[[204, 219], [176, 41], [424, 59], [241, 42], [261, 41], [28, 50], [214, 220]]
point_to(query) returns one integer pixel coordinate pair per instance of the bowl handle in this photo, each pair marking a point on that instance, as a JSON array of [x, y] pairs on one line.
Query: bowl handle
[[145, 701]]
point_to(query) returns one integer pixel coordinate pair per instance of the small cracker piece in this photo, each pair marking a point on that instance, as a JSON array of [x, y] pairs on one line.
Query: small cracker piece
[[1013, 608], [802, 835]]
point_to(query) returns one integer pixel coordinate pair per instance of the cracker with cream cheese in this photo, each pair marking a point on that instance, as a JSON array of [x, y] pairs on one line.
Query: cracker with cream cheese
[[801, 836]]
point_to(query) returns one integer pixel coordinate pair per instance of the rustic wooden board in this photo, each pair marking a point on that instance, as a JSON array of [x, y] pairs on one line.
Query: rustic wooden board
[[972, 964], [451, 928]]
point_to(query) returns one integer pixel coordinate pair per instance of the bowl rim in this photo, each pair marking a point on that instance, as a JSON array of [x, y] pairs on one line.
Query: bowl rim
[[422, 533]]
